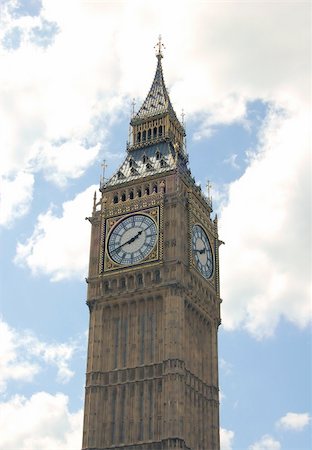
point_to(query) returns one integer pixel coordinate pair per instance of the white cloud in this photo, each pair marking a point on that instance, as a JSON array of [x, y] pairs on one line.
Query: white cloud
[[15, 196], [56, 92], [73, 90], [22, 356], [44, 423], [232, 161], [55, 354], [59, 246], [266, 443], [68, 160], [226, 439], [13, 365], [266, 261], [60, 92], [226, 366], [294, 421]]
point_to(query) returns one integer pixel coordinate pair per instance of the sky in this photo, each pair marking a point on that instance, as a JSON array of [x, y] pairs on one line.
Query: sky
[[240, 71]]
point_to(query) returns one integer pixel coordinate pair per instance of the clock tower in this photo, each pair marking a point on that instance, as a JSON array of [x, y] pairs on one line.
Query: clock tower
[[153, 296]]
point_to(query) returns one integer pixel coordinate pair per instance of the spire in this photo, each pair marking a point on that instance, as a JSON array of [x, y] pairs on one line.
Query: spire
[[157, 138], [157, 101]]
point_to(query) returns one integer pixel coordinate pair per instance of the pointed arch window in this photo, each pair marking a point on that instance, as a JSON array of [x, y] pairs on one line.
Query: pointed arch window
[[158, 155], [149, 134], [139, 136], [131, 195], [123, 197], [147, 190], [155, 132], [115, 199], [160, 130], [144, 136], [157, 276], [139, 193]]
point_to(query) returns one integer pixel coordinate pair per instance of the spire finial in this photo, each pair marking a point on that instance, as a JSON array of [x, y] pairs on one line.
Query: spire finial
[[104, 167], [208, 186], [159, 46], [209, 197], [133, 107], [182, 117]]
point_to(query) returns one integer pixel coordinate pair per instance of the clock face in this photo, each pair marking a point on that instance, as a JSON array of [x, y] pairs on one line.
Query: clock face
[[202, 251], [132, 239]]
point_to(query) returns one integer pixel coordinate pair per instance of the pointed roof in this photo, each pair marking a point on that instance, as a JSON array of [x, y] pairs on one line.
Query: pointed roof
[[157, 101]]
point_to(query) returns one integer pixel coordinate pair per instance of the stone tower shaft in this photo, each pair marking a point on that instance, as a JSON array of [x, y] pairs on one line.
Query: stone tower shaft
[[153, 296]]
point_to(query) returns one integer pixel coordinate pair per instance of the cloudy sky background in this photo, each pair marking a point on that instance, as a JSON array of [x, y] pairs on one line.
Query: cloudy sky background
[[241, 71]]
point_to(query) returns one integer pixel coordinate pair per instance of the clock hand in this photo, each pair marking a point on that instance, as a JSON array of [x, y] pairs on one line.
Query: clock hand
[[134, 238], [129, 241], [137, 235], [203, 250]]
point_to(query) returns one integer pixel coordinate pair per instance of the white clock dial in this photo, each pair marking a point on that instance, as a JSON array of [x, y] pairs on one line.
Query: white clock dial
[[132, 239], [202, 252]]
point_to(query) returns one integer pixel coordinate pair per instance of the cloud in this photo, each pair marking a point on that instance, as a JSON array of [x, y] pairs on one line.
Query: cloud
[[13, 365], [58, 246], [23, 355], [226, 366], [56, 81], [264, 264], [44, 34], [266, 261], [22, 8], [294, 421], [65, 161], [44, 423], [16, 194], [54, 93], [226, 439], [266, 443], [55, 354], [232, 161], [12, 38]]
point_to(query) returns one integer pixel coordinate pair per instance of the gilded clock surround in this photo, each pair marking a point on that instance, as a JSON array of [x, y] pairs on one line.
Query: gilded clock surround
[[194, 262], [109, 263]]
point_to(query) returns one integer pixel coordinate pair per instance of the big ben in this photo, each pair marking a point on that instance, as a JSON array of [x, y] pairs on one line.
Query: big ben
[[153, 296]]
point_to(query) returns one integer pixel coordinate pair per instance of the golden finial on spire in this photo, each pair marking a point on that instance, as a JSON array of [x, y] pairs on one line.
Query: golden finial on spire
[[159, 46]]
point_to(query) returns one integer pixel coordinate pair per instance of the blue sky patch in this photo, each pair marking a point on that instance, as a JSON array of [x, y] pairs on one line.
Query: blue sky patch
[[44, 35], [224, 151], [26, 8], [12, 38]]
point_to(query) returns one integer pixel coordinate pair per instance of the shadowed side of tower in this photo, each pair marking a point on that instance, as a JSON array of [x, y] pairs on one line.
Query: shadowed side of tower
[[153, 296]]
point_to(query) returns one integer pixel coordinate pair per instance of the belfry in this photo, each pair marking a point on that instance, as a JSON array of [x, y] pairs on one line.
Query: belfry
[[153, 296]]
